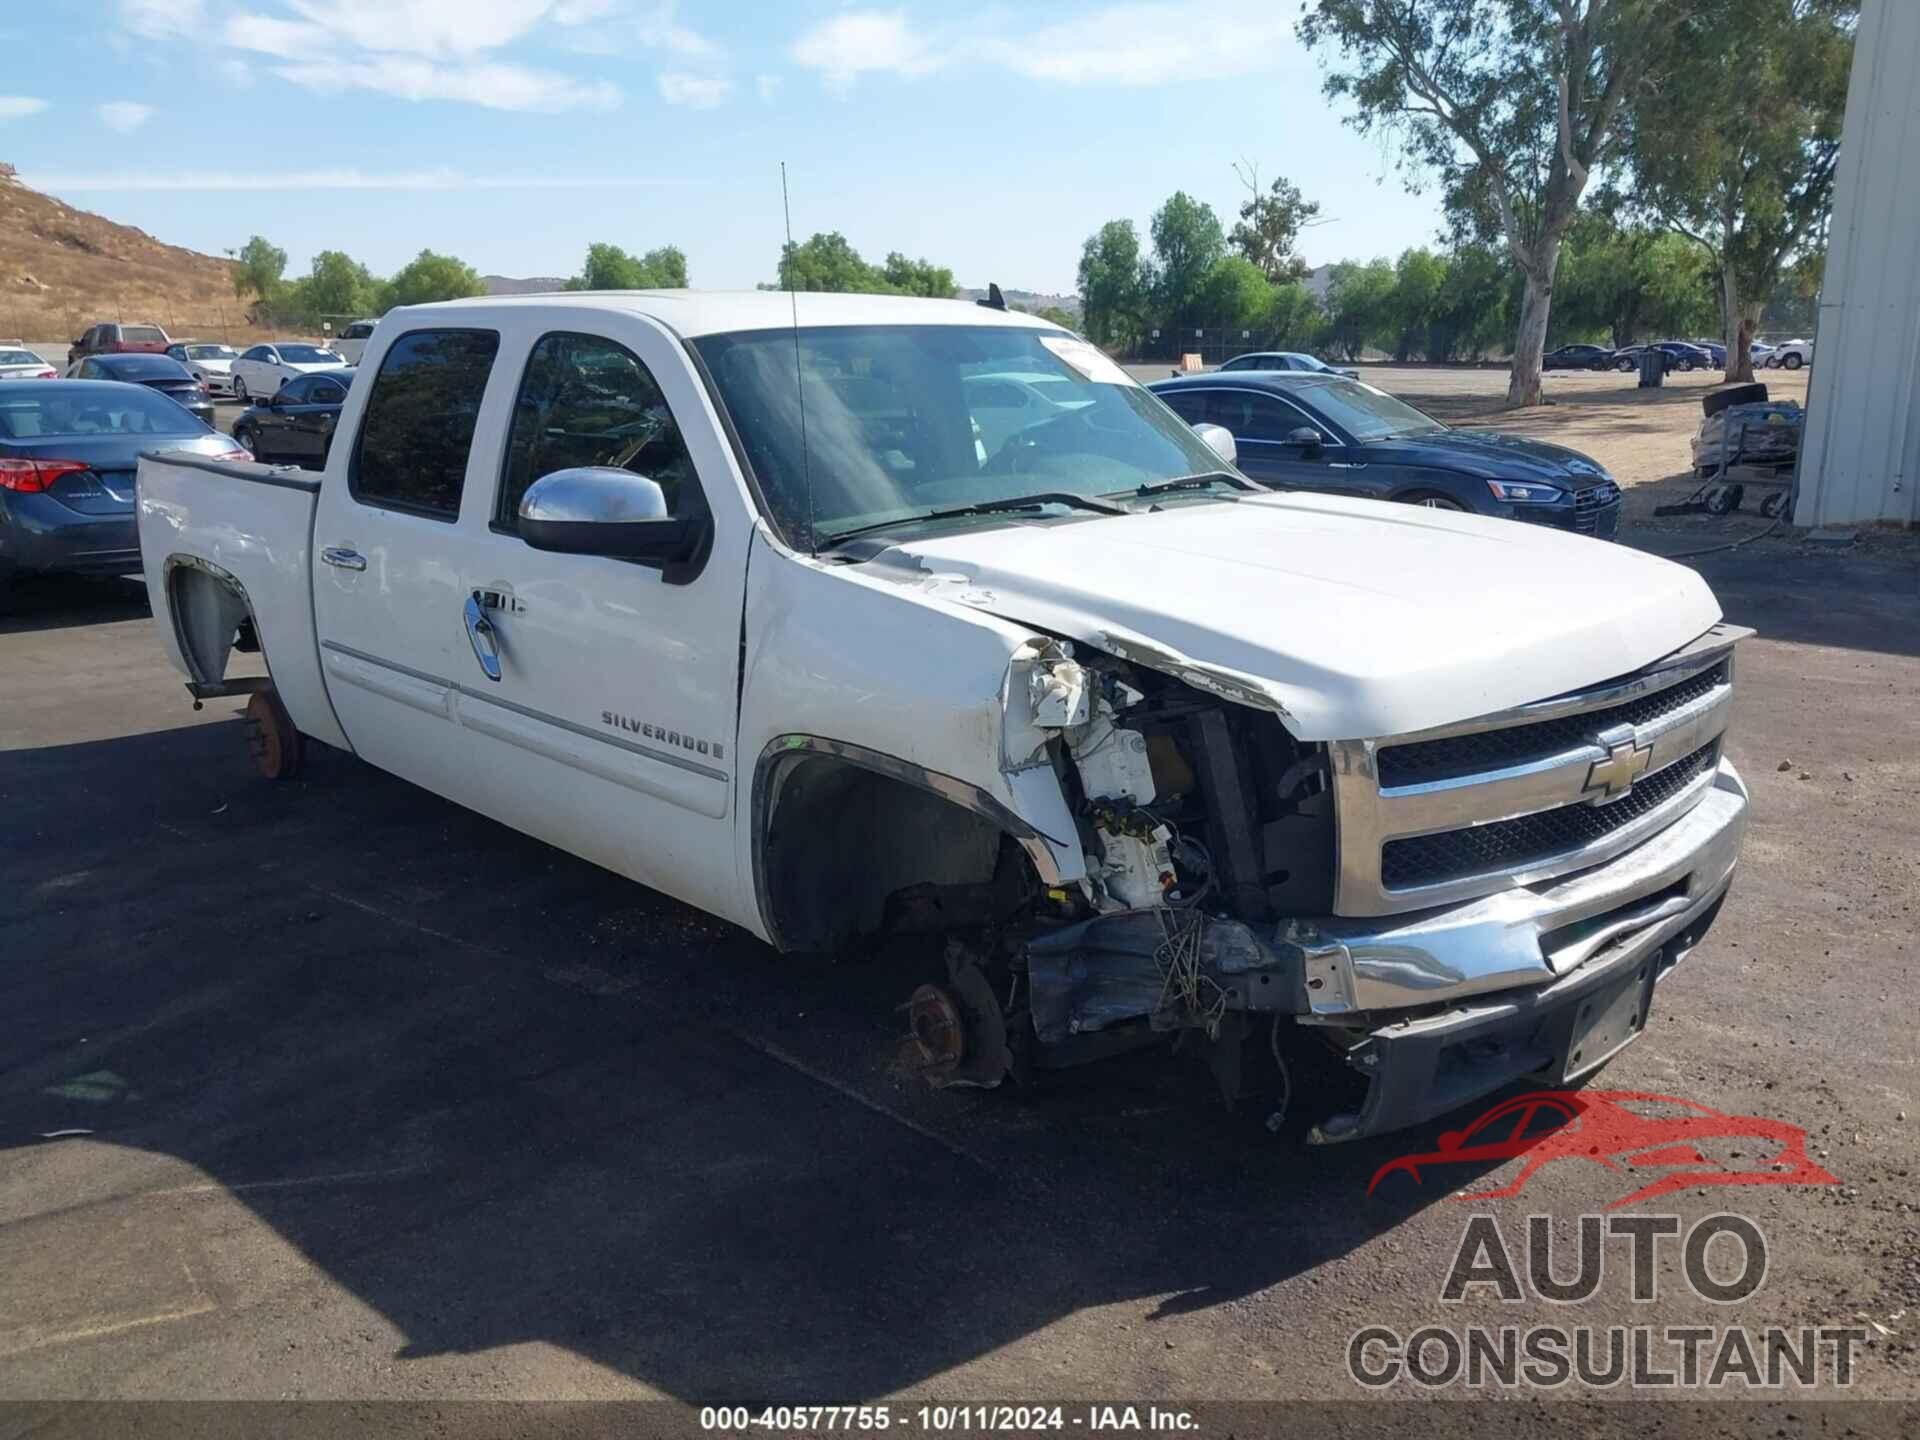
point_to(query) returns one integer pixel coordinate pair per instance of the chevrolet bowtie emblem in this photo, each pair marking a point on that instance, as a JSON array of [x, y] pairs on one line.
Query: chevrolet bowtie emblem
[[1613, 777]]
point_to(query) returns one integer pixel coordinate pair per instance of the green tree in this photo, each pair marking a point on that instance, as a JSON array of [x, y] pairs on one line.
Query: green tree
[[827, 262], [608, 267], [1512, 103], [1187, 243], [336, 285], [428, 277], [1270, 224], [1359, 305], [1471, 314], [1294, 320], [917, 277], [1113, 286], [1414, 301], [1741, 157], [1235, 294], [260, 271]]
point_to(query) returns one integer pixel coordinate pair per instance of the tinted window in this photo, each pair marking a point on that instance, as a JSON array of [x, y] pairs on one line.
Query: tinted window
[[258, 352], [418, 428], [326, 392], [306, 355], [143, 367], [1254, 417], [1189, 405], [296, 392], [588, 401], [356, 332], [143, 334], [1370, 414]]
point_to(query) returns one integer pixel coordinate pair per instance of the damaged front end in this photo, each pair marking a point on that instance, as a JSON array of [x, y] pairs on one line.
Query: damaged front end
[[1448, 912]]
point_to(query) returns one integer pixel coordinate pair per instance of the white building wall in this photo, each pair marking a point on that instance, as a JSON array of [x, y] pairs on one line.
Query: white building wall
[[1861, 458]]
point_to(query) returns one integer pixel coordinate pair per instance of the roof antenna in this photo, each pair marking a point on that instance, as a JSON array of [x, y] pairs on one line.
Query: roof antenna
[[799, 381], [995, 300]]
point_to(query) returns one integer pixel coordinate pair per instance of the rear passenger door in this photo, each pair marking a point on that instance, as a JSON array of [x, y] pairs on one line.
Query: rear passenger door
[[388, 573]]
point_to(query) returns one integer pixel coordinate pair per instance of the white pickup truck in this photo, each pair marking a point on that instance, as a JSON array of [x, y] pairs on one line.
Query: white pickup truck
[[873, 617]]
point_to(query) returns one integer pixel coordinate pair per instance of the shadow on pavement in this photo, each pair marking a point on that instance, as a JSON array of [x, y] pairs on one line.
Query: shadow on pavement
[[60, 602], [579, 1112]]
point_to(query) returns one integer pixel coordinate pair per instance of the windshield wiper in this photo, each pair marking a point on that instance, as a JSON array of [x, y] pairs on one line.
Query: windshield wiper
[[1011, 503], [1201, 481]]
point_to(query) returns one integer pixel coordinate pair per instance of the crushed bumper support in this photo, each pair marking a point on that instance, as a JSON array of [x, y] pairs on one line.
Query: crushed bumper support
[[1438, 1007]]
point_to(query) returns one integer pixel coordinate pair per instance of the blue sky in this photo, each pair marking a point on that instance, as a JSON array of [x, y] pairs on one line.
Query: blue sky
[[992, 138]]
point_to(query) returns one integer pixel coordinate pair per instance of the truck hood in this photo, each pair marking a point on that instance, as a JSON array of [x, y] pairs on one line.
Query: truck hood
[[1489, 453], [1353, 619]]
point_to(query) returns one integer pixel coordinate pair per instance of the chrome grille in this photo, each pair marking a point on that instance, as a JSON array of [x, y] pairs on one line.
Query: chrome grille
[[1530, 793], [1529, 839], [1588, 503], [1456, 755]]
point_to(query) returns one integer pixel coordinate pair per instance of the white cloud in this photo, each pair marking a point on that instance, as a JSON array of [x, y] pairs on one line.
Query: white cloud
[[336, 179], [768, 87], [1149, 42], [700, 92], [16, 107], [126, 116], [439, 28], [163, 19], [862, 41], [494, 84]]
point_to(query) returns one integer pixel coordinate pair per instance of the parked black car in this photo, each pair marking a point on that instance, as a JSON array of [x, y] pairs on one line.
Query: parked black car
[[1577, 357], [294, 426], [156, 372], [1325, 432], [67, 455], [1679, 356]]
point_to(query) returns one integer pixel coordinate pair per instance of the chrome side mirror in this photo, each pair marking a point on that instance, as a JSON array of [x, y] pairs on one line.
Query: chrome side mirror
[[1219, 440], [601, 510]]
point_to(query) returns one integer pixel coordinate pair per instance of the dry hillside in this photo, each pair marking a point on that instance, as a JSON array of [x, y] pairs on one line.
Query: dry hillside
[[63, 269]]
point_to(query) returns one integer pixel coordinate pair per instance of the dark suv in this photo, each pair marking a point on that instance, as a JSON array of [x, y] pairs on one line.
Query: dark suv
[[117, 339]]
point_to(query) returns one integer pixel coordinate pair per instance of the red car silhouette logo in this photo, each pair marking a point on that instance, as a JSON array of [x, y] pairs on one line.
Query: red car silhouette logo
[[1630, 1132]]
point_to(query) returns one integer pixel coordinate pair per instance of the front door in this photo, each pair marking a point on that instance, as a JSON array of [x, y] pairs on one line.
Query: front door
[[596, 707]]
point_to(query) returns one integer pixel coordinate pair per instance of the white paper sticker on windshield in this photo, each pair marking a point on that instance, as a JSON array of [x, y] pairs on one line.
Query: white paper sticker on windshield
[[1089, 360]]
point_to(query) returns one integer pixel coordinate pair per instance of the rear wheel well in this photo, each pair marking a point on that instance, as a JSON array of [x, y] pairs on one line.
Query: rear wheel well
[[210, 613], [847, 851]]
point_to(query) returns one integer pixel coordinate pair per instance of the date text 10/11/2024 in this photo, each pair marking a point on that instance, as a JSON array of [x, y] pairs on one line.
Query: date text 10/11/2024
[[935, 1419]]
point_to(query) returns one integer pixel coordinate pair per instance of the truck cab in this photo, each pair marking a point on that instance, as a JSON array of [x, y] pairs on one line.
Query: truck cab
[[755, 600]]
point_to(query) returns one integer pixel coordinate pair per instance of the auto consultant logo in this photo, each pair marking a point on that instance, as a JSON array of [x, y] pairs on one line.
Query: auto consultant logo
[[1656, 1144], [1722, 1261]]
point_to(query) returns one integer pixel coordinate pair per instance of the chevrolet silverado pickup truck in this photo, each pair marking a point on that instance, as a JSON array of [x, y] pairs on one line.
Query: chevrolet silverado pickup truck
[[916, 628]]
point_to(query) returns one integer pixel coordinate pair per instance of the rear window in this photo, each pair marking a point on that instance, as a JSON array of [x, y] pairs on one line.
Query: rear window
[[20, 357], [307, 355], [209, 352], [143, 335], [92, 410], [144, 367], [420, 417]]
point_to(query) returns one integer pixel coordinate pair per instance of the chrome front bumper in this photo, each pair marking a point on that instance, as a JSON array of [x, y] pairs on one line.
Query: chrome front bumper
[[1531, 935]]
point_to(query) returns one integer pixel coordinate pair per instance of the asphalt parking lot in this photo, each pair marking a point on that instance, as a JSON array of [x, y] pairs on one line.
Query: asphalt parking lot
[[370, 1097]]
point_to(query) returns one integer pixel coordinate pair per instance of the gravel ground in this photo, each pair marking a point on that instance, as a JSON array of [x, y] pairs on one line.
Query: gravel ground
[[383, 1100]]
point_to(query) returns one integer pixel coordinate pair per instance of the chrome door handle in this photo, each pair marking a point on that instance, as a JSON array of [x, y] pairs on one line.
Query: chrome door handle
[[486, 639], [346, 559]]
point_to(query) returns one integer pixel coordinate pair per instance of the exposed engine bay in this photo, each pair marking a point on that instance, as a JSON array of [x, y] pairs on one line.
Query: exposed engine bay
[[1203, 823]]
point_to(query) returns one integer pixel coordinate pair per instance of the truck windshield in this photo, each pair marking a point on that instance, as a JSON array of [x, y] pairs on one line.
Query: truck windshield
[[901, 420]]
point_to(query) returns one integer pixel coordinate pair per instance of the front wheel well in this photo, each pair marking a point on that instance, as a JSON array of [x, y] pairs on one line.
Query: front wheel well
[[850, 846]]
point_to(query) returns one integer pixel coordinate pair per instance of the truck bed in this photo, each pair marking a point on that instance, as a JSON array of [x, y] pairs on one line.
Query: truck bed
[[222, 541]]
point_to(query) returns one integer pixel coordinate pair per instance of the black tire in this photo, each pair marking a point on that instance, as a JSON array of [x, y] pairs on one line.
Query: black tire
[[1625, 366], [1793, 362], [240, 395], [1750, 393], [247, 436], [1433, 500], [1725, 499]]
